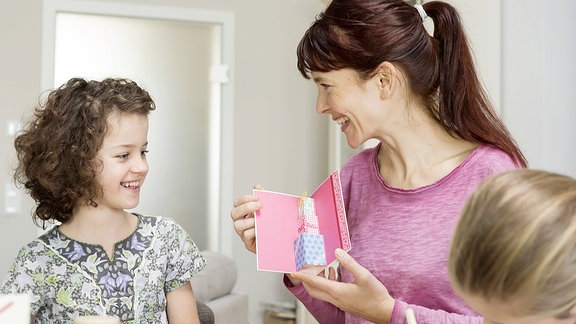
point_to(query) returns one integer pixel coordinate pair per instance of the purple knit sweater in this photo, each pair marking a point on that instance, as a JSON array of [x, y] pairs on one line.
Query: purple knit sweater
[[402, 236]]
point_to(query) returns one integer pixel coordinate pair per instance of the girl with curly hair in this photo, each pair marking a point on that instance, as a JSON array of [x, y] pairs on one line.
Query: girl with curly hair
[[82, 158]]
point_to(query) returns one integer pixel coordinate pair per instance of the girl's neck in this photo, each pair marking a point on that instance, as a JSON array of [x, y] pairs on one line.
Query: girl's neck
[[99, 226]]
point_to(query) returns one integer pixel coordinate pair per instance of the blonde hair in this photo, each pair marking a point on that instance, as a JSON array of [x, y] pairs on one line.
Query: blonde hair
[[516, 240]]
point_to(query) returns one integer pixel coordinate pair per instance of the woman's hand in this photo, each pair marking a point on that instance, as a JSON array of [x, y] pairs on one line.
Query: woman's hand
[[365, 297], [312, 270], [243, 217]]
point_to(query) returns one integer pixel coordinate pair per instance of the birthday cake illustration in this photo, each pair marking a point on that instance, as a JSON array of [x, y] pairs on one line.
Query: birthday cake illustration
[[309, 245]]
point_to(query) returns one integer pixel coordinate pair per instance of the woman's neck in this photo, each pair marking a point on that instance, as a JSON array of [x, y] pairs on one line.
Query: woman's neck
[[420, 154]]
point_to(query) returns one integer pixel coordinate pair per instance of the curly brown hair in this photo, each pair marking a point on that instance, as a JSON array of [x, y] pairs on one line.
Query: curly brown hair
[[57, 148]]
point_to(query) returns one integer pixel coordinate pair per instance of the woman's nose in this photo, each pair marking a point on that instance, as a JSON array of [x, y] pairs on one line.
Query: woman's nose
[[321, 107]]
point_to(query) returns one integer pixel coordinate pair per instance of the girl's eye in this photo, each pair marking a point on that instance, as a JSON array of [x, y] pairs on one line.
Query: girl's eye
[[144, 153], [123, 156]]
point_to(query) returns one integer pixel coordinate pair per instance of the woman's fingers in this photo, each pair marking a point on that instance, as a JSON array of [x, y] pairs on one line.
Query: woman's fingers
[[243, 217]]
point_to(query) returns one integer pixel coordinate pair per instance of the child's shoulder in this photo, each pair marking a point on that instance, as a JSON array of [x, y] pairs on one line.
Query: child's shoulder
[[35, 245], [34, 250], [157, 222]]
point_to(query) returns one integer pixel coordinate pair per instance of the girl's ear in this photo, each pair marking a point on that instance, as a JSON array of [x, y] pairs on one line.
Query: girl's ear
[[571, 313], [388, 79]]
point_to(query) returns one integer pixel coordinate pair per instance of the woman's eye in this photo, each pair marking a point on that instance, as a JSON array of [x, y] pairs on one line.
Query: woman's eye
[[144, 153], [123, 156], [327, 88]]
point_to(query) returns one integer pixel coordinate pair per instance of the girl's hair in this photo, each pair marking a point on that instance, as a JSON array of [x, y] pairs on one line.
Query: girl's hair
[[516, 240], [57, 148], [361, 34]]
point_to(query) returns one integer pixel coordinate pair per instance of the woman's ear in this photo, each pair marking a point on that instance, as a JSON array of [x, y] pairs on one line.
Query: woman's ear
[[387, 78]]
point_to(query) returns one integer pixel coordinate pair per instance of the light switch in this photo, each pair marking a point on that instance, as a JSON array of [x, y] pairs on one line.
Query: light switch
[[220, 73], [12, 199], [13, 127]]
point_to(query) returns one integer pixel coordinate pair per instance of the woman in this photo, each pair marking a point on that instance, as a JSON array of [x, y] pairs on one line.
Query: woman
[[380, 75]]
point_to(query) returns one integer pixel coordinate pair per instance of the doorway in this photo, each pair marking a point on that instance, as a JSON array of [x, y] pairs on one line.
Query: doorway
[[183, 57]]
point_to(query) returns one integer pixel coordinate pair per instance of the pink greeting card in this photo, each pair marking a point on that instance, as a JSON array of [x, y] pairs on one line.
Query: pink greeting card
[[277, 225]]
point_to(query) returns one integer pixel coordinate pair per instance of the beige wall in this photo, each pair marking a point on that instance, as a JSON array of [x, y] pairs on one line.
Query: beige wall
[[20, 42], [279, 141], [539, 80]]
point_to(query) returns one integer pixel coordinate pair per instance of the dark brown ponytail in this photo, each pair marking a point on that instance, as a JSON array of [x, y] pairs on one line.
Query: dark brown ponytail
[[464, 106], [361, 34]]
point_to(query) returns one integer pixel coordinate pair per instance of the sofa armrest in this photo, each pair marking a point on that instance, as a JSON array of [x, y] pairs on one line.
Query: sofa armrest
[[217, 279], [232, 308], [205, 313]]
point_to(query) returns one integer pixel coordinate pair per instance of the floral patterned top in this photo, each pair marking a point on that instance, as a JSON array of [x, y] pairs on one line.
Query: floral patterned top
[[67, 278]]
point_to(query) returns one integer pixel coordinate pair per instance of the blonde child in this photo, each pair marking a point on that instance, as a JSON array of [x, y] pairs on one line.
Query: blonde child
[[513, 254]]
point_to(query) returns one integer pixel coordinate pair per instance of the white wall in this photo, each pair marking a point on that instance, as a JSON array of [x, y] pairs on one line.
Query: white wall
[[19, 89], [525, 51], [279, 140], [176, 73], [539, 80]]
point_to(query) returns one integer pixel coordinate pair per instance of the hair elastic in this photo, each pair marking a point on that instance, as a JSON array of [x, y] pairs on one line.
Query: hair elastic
[[421, 11]]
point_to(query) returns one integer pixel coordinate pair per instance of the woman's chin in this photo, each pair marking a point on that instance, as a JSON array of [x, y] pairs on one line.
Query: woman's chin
[[353, 143]]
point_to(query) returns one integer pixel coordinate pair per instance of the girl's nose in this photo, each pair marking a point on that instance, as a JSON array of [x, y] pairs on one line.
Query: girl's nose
[[140, 165]]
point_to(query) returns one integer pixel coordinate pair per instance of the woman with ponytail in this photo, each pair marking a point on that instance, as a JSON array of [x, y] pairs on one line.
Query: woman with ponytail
[[381, 75]]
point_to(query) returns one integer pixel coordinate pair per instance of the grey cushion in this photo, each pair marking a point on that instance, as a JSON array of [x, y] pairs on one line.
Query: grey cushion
[[216, 279], [205, 313]]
